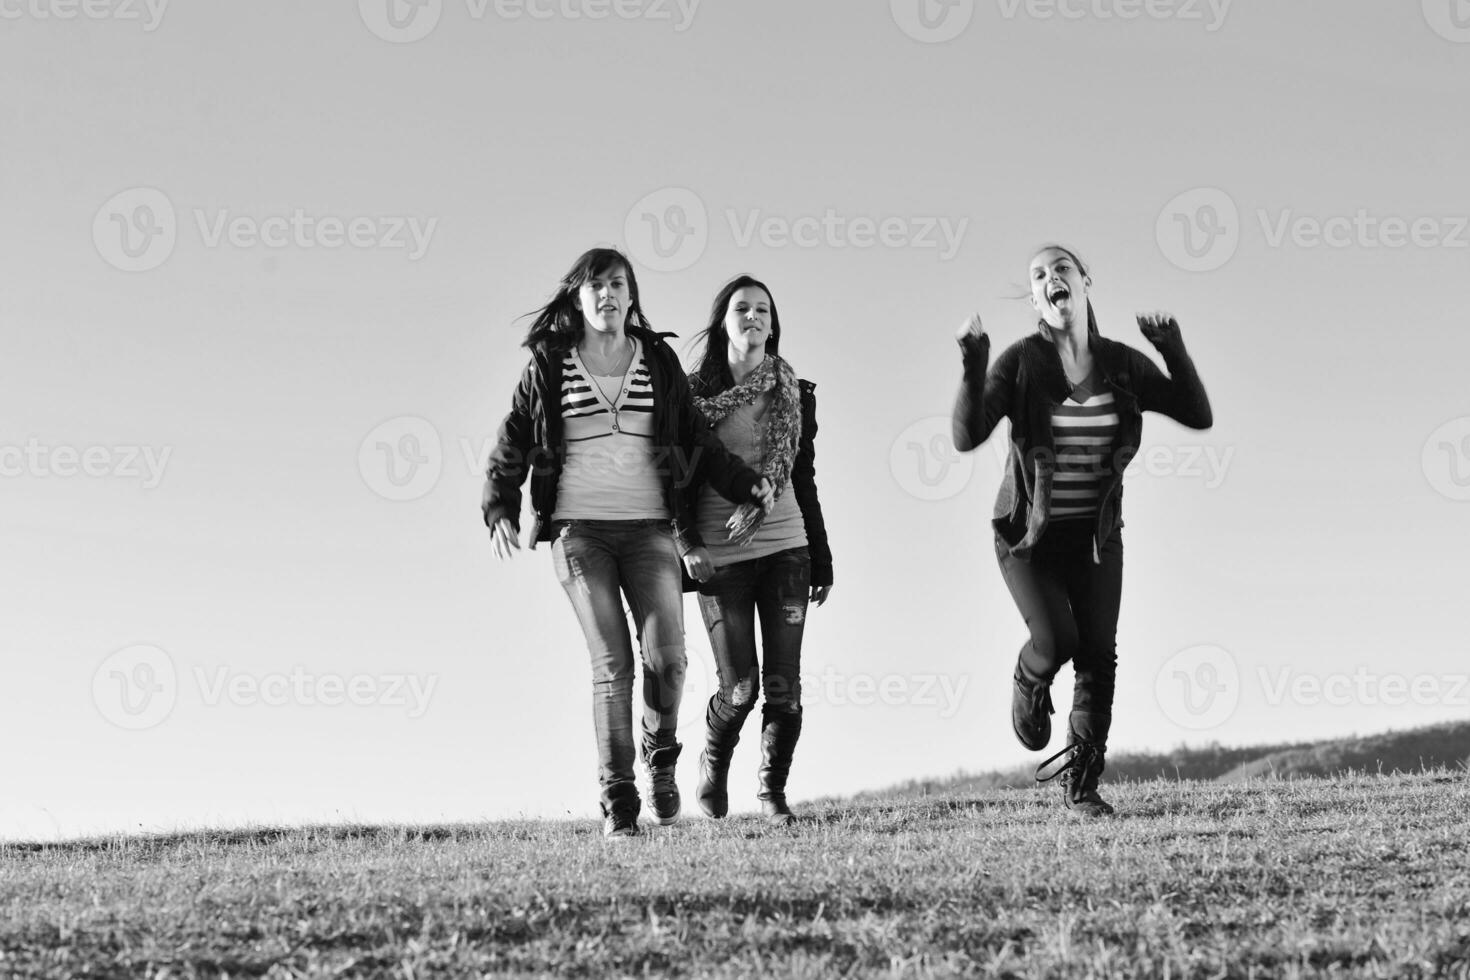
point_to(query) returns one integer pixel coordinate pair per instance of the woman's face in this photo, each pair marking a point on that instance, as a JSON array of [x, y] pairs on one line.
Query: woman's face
[[604, 300], [1058, 287], [748, 319]]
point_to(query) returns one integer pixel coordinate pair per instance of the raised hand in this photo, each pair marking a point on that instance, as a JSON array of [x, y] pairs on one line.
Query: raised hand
[[1159, 329], [972, 327], [503, 538]]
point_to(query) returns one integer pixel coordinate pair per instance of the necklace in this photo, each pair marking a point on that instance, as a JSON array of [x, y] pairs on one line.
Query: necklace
[[614, 404]]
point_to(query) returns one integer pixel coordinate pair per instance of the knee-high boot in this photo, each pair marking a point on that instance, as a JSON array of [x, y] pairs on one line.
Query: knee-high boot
[[780, 730], [722, 724]]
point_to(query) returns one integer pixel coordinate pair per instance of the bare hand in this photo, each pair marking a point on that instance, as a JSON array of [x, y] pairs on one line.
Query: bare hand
[[972, 327], [820, 593], [764, 494], [503, 538], [1159, 329], [698, 564]]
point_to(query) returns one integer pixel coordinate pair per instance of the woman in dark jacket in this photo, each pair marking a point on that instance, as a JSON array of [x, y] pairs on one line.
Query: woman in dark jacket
[[603, 424], [1075, 401], [767, 564]]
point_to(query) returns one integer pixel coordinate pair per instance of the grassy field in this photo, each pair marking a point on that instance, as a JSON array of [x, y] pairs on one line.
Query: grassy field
[[1363, 876]]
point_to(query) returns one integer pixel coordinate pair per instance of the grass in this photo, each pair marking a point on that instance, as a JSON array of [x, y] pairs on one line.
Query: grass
[[1361, 876]]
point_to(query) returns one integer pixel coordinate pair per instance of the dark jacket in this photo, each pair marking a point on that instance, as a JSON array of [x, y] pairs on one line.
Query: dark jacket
[[1026, 385], [530, 442], [803, 484]]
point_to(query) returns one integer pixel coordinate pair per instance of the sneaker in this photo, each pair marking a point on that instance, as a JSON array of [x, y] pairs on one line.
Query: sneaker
[[1031, 711], [663, 792], [620, 823]]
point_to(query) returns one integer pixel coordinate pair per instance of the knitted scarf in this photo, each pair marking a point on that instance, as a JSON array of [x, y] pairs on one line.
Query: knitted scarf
[[779, 435]]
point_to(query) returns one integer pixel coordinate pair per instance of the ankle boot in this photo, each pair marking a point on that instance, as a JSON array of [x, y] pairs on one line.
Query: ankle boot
[[721, 735], [780, 730], [1031, 710], [1085, 759], [660, 753]]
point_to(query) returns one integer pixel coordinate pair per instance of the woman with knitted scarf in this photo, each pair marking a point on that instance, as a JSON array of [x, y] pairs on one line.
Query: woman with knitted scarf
[[748, 562]]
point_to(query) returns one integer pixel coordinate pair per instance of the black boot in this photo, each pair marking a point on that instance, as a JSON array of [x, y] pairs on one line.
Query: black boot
[[721, 735], [1031, 710], [1085, 758], [660, 753], [780, 730]]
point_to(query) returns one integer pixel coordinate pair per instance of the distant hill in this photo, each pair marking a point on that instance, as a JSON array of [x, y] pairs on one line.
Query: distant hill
[[1412, 750]]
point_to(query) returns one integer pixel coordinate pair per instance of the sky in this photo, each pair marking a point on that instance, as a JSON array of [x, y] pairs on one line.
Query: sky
[[262, 271]]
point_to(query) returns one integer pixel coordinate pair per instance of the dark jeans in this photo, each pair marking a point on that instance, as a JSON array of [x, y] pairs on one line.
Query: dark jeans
[[595, 561], [1070, 605], [777, 588]]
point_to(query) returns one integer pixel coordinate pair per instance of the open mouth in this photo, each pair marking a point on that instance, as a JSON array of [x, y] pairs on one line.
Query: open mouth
[[1058, 293]]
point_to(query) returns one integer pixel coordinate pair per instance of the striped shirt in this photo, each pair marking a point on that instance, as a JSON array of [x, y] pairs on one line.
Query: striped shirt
[[610, 472], [1083, 429]]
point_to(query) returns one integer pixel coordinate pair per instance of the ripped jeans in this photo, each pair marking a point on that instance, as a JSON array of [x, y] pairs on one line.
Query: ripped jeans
[[599, 563], [777, 587]]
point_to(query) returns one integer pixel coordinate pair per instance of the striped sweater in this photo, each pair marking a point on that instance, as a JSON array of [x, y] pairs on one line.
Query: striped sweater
[[1084, 427]]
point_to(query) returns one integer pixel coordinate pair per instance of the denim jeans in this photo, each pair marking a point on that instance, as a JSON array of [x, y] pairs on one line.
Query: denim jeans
[[1070, 604], [599, 563], [777, 587]]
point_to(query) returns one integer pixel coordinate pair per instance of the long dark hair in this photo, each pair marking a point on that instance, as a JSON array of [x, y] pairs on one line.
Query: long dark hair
[[1082, 268], [711, 373], [559, 323]]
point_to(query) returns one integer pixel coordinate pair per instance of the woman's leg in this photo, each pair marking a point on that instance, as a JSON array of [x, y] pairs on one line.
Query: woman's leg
[[1038, 587], [727, 603], [584, 555], [649, 565], [1096, 590], [782, 592]]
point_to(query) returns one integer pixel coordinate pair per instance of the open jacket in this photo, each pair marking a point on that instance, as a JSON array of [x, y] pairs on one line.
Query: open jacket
[[1027, 383], [530, 443], [803, 485]]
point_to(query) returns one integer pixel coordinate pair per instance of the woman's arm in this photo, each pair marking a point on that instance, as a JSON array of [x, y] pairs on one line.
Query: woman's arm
[[804, 485], [500, 500], [1179, 395], [985, 392]]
